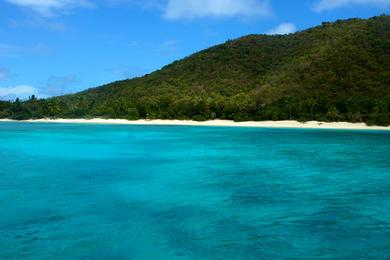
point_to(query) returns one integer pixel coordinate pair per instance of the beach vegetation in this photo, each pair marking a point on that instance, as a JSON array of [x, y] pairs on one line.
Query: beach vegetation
[[336, 71]]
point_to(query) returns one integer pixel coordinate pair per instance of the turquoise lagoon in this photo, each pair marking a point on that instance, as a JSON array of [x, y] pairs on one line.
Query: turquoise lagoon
[[71, 191]]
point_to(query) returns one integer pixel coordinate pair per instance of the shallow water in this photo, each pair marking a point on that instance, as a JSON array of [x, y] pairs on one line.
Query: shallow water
[[171, 192]]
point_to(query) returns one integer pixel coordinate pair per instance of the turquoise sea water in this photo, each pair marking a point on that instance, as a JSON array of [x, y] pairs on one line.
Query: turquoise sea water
[[170, 192]]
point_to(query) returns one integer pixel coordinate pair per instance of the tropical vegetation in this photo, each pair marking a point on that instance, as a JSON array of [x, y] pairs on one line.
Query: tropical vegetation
[[336, 71]]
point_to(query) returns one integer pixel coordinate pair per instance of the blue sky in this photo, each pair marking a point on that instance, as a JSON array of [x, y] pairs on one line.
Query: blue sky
[[55, 47]]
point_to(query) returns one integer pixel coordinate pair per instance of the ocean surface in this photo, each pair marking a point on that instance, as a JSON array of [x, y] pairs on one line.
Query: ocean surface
[[170, 192]]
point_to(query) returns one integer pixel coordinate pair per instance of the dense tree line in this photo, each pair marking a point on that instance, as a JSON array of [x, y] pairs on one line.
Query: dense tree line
[[243, 107], [335, 72]]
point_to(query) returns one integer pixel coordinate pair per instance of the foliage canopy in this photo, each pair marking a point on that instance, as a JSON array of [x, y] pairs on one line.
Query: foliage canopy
[[336, 71]]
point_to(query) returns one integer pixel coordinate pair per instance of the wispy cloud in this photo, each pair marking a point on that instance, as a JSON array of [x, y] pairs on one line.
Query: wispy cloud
[[9, 50], [17, 51], [3, 73], [50, 7], [38, 22], [284, 28], [144, 4], [59, 85], [172, 9], [127, 72], [53, 86], [192, 9], [169, 48], [325, 5], [169, 45], [20, 91]]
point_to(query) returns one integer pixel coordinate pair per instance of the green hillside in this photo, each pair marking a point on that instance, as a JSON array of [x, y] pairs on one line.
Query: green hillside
[[336, 71]]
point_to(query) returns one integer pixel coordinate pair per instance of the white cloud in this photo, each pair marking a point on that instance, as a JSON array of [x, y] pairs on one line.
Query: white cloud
[[54, 86], [192, 9], [173, 9], [20, 91], [50, 7], [284, 28], [324, 5]]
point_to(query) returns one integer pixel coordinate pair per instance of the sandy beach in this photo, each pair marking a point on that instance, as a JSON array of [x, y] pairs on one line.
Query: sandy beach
[[225, 123]]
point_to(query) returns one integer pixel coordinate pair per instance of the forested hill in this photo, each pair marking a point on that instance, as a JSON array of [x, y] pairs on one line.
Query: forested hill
[[336, 71]]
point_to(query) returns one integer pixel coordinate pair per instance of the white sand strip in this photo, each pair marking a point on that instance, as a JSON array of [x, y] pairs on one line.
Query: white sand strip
[[264, 124]]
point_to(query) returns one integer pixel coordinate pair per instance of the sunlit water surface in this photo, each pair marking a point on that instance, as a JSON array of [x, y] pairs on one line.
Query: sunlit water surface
[[170, 192]]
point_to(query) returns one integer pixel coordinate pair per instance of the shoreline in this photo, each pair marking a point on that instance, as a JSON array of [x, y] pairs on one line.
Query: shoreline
[[223, 123]]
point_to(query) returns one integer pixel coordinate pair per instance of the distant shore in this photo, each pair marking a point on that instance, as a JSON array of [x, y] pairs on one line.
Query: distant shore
[[261, 124]]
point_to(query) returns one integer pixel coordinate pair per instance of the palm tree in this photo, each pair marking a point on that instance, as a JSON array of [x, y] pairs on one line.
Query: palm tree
[[290, 102], [312, 103]]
